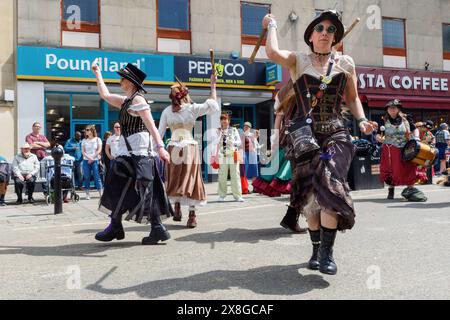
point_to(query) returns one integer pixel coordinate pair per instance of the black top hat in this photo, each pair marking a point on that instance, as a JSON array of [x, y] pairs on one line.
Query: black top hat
[[394, 103], [334, 17], [134, 74]]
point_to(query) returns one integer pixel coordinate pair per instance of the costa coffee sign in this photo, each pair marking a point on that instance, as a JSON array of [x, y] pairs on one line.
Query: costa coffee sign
[[391, 81]]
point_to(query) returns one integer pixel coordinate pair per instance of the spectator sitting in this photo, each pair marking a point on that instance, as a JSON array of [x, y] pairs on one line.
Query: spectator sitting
[[37, 141], [25, 167], [73, 148], [4, 179]]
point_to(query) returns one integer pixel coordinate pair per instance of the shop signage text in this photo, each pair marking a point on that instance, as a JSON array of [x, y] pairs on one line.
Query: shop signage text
[[387, 81], [75, 64], [232, 73]]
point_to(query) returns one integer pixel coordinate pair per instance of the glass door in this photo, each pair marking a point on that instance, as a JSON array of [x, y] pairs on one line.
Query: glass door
[[80, 125]]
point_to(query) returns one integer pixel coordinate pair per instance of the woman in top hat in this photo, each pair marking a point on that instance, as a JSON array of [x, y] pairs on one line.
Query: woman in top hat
[[398, 130], [184, 173], [133, 185], [321, 79]]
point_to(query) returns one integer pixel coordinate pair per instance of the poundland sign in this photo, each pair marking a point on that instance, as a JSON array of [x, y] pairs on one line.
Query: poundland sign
[[75, 64]]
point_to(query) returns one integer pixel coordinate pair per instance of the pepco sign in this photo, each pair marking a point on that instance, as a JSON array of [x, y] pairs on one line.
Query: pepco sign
[[234, 73]]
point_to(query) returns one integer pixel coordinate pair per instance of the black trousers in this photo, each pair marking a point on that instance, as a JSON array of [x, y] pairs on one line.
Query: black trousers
[[30, 183]]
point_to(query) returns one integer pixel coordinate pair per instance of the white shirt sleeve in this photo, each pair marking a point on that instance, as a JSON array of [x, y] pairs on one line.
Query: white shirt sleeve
[[163, 124], [209, 107], [236, 138], [134, 109]]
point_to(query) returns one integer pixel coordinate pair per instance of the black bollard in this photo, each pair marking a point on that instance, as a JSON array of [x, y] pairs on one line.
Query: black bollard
[[57, 153]]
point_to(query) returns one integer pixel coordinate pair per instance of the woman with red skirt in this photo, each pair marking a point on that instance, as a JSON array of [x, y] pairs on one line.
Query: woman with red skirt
[[398, 130]]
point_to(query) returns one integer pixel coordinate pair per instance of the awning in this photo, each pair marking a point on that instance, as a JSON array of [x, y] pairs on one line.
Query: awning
[[409, 102]]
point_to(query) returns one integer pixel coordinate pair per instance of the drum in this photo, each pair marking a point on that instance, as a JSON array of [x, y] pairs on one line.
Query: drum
[[419, 153]]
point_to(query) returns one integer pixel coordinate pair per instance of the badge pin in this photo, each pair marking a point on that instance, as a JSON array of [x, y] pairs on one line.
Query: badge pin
[[323, 86], [309, 121], [326, 80]]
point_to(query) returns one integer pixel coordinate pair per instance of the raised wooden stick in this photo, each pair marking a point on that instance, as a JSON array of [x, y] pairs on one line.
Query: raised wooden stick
[[257, 46], [357, 20], [211, 55]]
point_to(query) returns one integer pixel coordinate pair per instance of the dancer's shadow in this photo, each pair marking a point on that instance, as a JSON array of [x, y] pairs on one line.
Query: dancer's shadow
[[424, 205], [136, 228], [86, 250], [237, 235], [270, 280], [382, 201]]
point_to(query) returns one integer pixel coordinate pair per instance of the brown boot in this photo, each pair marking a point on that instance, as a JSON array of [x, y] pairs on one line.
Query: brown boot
[[177, 214], [192, 221]]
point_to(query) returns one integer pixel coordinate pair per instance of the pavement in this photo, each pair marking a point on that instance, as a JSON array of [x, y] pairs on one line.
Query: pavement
[[397, 250]]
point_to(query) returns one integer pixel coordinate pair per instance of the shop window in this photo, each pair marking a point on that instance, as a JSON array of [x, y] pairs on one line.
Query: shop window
[[80, 23], [174, 26], [446, 45], [87, 107], [57, 117], [251, 17], [394, 43]]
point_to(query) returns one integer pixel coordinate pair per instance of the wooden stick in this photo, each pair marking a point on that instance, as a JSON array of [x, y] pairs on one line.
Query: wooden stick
[[349, 29], [357, 20], [211, 55], [257, 46]]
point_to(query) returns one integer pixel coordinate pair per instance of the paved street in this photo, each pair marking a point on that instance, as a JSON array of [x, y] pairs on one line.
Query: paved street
[[397, 250]]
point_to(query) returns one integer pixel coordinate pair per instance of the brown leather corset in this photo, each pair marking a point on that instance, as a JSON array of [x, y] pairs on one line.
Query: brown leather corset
[[326, 115]]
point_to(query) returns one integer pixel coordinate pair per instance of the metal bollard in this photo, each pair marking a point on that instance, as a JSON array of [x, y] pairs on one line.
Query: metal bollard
[[57, 153]]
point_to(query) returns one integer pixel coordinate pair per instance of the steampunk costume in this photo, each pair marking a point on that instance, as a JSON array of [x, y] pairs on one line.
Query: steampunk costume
[[319, 176], [394, 171], [134, 185], [184, 175]]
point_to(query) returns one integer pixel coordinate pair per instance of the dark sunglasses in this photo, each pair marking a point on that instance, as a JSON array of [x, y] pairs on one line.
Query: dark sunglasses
[[116, 127], [320, 27]]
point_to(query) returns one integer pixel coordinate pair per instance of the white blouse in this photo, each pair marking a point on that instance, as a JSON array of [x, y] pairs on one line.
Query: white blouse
[[181, 123], [343, 63]]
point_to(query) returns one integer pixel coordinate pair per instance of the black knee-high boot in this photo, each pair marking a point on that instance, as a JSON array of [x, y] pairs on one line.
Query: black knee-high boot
[[391, 193], [158, 231], [313, 263], [113, 231], [326, 261]]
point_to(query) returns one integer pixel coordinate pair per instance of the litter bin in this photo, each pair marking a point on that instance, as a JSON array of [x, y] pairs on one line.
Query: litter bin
[[364, 171]]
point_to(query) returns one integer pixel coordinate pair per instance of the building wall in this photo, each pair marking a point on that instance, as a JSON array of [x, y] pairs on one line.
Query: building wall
[[217, 24], [128, 27], [7, 78], [39, 22], [32, 108]]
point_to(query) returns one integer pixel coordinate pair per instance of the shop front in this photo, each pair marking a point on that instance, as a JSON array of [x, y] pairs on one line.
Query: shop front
[[57, 88], [425, 95]]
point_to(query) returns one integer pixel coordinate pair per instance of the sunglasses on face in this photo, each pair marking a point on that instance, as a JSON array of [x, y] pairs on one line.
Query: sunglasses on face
[[116, 127], [320, 27]]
